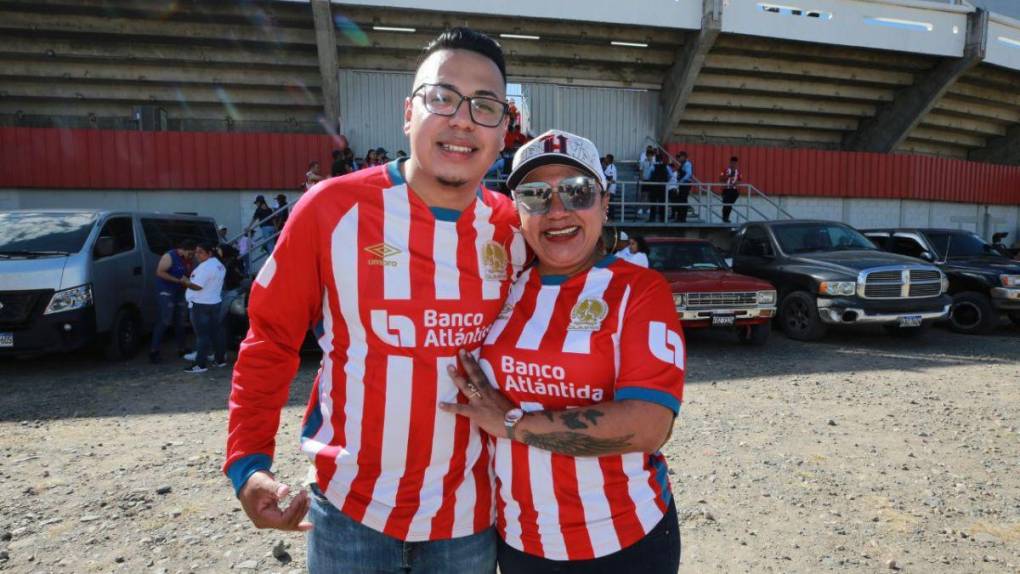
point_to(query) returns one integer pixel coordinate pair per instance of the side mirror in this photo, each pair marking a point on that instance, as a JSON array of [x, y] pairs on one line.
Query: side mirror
[[927, 256], [104, 247]]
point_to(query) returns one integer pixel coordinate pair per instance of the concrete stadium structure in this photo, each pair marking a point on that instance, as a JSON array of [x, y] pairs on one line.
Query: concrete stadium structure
[[886, 76]]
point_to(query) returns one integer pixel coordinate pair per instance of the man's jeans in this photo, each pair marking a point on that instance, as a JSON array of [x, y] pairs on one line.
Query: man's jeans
[[340, 544], [170, 310], [267, 232], [228, 298], [205, 319]]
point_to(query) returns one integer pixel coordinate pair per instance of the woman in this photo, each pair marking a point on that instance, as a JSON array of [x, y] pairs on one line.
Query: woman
[[637, 251], [586, 370], [261, 219], [371, 159]]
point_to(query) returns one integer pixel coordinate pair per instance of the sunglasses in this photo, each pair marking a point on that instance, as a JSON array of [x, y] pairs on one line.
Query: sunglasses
[[576, 194]]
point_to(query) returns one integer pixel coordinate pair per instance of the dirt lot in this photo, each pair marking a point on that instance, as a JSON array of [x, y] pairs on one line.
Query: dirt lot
[[863, 453]]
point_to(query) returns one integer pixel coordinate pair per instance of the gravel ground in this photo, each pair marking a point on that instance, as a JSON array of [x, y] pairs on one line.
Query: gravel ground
[[862, 453]]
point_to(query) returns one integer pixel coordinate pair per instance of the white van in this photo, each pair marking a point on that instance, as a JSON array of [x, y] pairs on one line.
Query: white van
[[74, 278]]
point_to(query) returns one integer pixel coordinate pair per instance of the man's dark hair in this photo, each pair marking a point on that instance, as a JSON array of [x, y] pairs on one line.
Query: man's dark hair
[[207, 247], [609, 157], [187, 244], [734, 158], [683, 153], [336, 154], [461, 38]]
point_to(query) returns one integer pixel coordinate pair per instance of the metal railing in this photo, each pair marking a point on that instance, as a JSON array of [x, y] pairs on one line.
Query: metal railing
[[257, 251]]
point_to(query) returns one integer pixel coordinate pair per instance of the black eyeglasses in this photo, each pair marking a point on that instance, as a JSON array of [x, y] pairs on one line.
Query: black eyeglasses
[[444, 101], [576, 194]]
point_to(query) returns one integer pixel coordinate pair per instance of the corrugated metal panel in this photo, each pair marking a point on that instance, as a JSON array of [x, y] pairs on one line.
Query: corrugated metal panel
[[617, 120], [372, 109], [108, 159]]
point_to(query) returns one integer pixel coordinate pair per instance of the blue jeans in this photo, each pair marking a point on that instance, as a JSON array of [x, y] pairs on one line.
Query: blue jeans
[[205, 319], [170, 310], [340, 544], [267, 232]]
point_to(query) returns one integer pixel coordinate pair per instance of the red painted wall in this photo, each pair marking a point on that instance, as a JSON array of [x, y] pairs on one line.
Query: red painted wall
[[107, 159], [806, 172]]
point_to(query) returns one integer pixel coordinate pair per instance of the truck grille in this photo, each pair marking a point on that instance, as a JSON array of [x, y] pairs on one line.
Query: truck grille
[[17, 306], [902, 283], [736, 299]]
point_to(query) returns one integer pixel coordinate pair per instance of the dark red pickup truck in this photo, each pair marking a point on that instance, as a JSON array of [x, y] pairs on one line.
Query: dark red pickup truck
[[708, 293]]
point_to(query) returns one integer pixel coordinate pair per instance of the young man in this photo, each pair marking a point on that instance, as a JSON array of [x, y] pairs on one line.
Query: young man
[[204, 289], [400, 265], [731, 179], [171, 274], [610, 172]]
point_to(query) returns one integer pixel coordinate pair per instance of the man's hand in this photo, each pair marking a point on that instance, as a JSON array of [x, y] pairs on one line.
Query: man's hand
[[261, 497]]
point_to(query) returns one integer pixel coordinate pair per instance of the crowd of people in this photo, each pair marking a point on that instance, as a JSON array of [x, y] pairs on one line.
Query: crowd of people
[[671, 178]]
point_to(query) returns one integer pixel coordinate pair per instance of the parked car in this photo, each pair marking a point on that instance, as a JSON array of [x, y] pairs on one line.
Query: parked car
[[984, 283], [828, 273], [708, 293], [73, 278]]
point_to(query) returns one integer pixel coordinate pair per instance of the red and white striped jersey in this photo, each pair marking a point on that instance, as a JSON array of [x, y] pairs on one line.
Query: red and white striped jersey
[[396, 289], [609, 334]]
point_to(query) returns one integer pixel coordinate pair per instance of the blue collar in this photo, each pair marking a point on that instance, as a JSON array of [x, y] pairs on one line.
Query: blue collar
[[560, 279]]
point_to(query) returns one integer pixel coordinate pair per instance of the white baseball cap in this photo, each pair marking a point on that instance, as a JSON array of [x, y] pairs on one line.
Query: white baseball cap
[[624, 236], [556, 147]]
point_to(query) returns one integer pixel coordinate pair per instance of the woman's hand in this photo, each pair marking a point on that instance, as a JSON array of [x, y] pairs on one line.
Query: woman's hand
[[486, 406]]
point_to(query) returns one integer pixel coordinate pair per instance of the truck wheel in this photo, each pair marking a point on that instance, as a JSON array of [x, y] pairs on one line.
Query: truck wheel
[[905, 332], [799, 317], [1015, 318], [755, 335], [125, 336], [972, 313]]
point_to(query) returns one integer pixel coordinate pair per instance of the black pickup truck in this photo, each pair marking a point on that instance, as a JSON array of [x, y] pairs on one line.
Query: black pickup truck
[[827, 273], [983, 282]]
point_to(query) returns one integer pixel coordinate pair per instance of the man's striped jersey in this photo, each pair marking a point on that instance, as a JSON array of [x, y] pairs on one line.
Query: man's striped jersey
[[396, 288], [609, 334]]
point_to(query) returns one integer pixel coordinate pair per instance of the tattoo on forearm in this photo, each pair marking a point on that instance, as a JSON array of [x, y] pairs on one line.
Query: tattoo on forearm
[[573, 420], [592, 415], [577, 444]]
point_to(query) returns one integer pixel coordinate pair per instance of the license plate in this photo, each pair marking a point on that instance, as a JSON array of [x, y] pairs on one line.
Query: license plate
[[910, 321], [723, 320], [6, 340]]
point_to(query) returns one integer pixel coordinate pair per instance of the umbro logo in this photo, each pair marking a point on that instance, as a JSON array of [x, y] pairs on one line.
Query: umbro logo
[[382, 251]]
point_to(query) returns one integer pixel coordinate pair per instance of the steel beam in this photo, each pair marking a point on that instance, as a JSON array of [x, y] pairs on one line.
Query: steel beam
[[686, 67], [894, 122], [325, 40]]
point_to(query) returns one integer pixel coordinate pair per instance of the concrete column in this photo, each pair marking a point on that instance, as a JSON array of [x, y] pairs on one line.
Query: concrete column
[[325, 41], [892, 124], [1005, 149], [676, 90]]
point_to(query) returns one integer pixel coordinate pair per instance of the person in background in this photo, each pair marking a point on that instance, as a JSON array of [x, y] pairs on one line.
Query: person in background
[[371, 159], [203, 294], [221, 232], [351, 161], [657, 189], [622, 246], [261, 219], [382, 156], [730, 179], [339, 166], [312, 176], [171, 307], [244, 243], [637, 249], [496, 170], [282, 212], [684, 179], [233, 276], [401, 154], [609, 170]]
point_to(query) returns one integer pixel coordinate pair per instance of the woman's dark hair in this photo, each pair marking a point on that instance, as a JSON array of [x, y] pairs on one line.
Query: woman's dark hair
[[187, 244], [642, 245], [207, 247], [461, 38]]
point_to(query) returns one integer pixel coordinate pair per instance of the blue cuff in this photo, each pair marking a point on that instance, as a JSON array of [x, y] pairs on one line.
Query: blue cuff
[[649, 395], [242, 469]]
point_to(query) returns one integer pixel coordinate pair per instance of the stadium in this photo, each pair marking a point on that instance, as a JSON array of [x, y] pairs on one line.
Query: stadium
[[875, 113]]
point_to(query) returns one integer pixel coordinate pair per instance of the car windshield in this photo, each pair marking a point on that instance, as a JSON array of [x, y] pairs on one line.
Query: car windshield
[[683, 256], [960, 244], [40, 234], [808, 237]]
